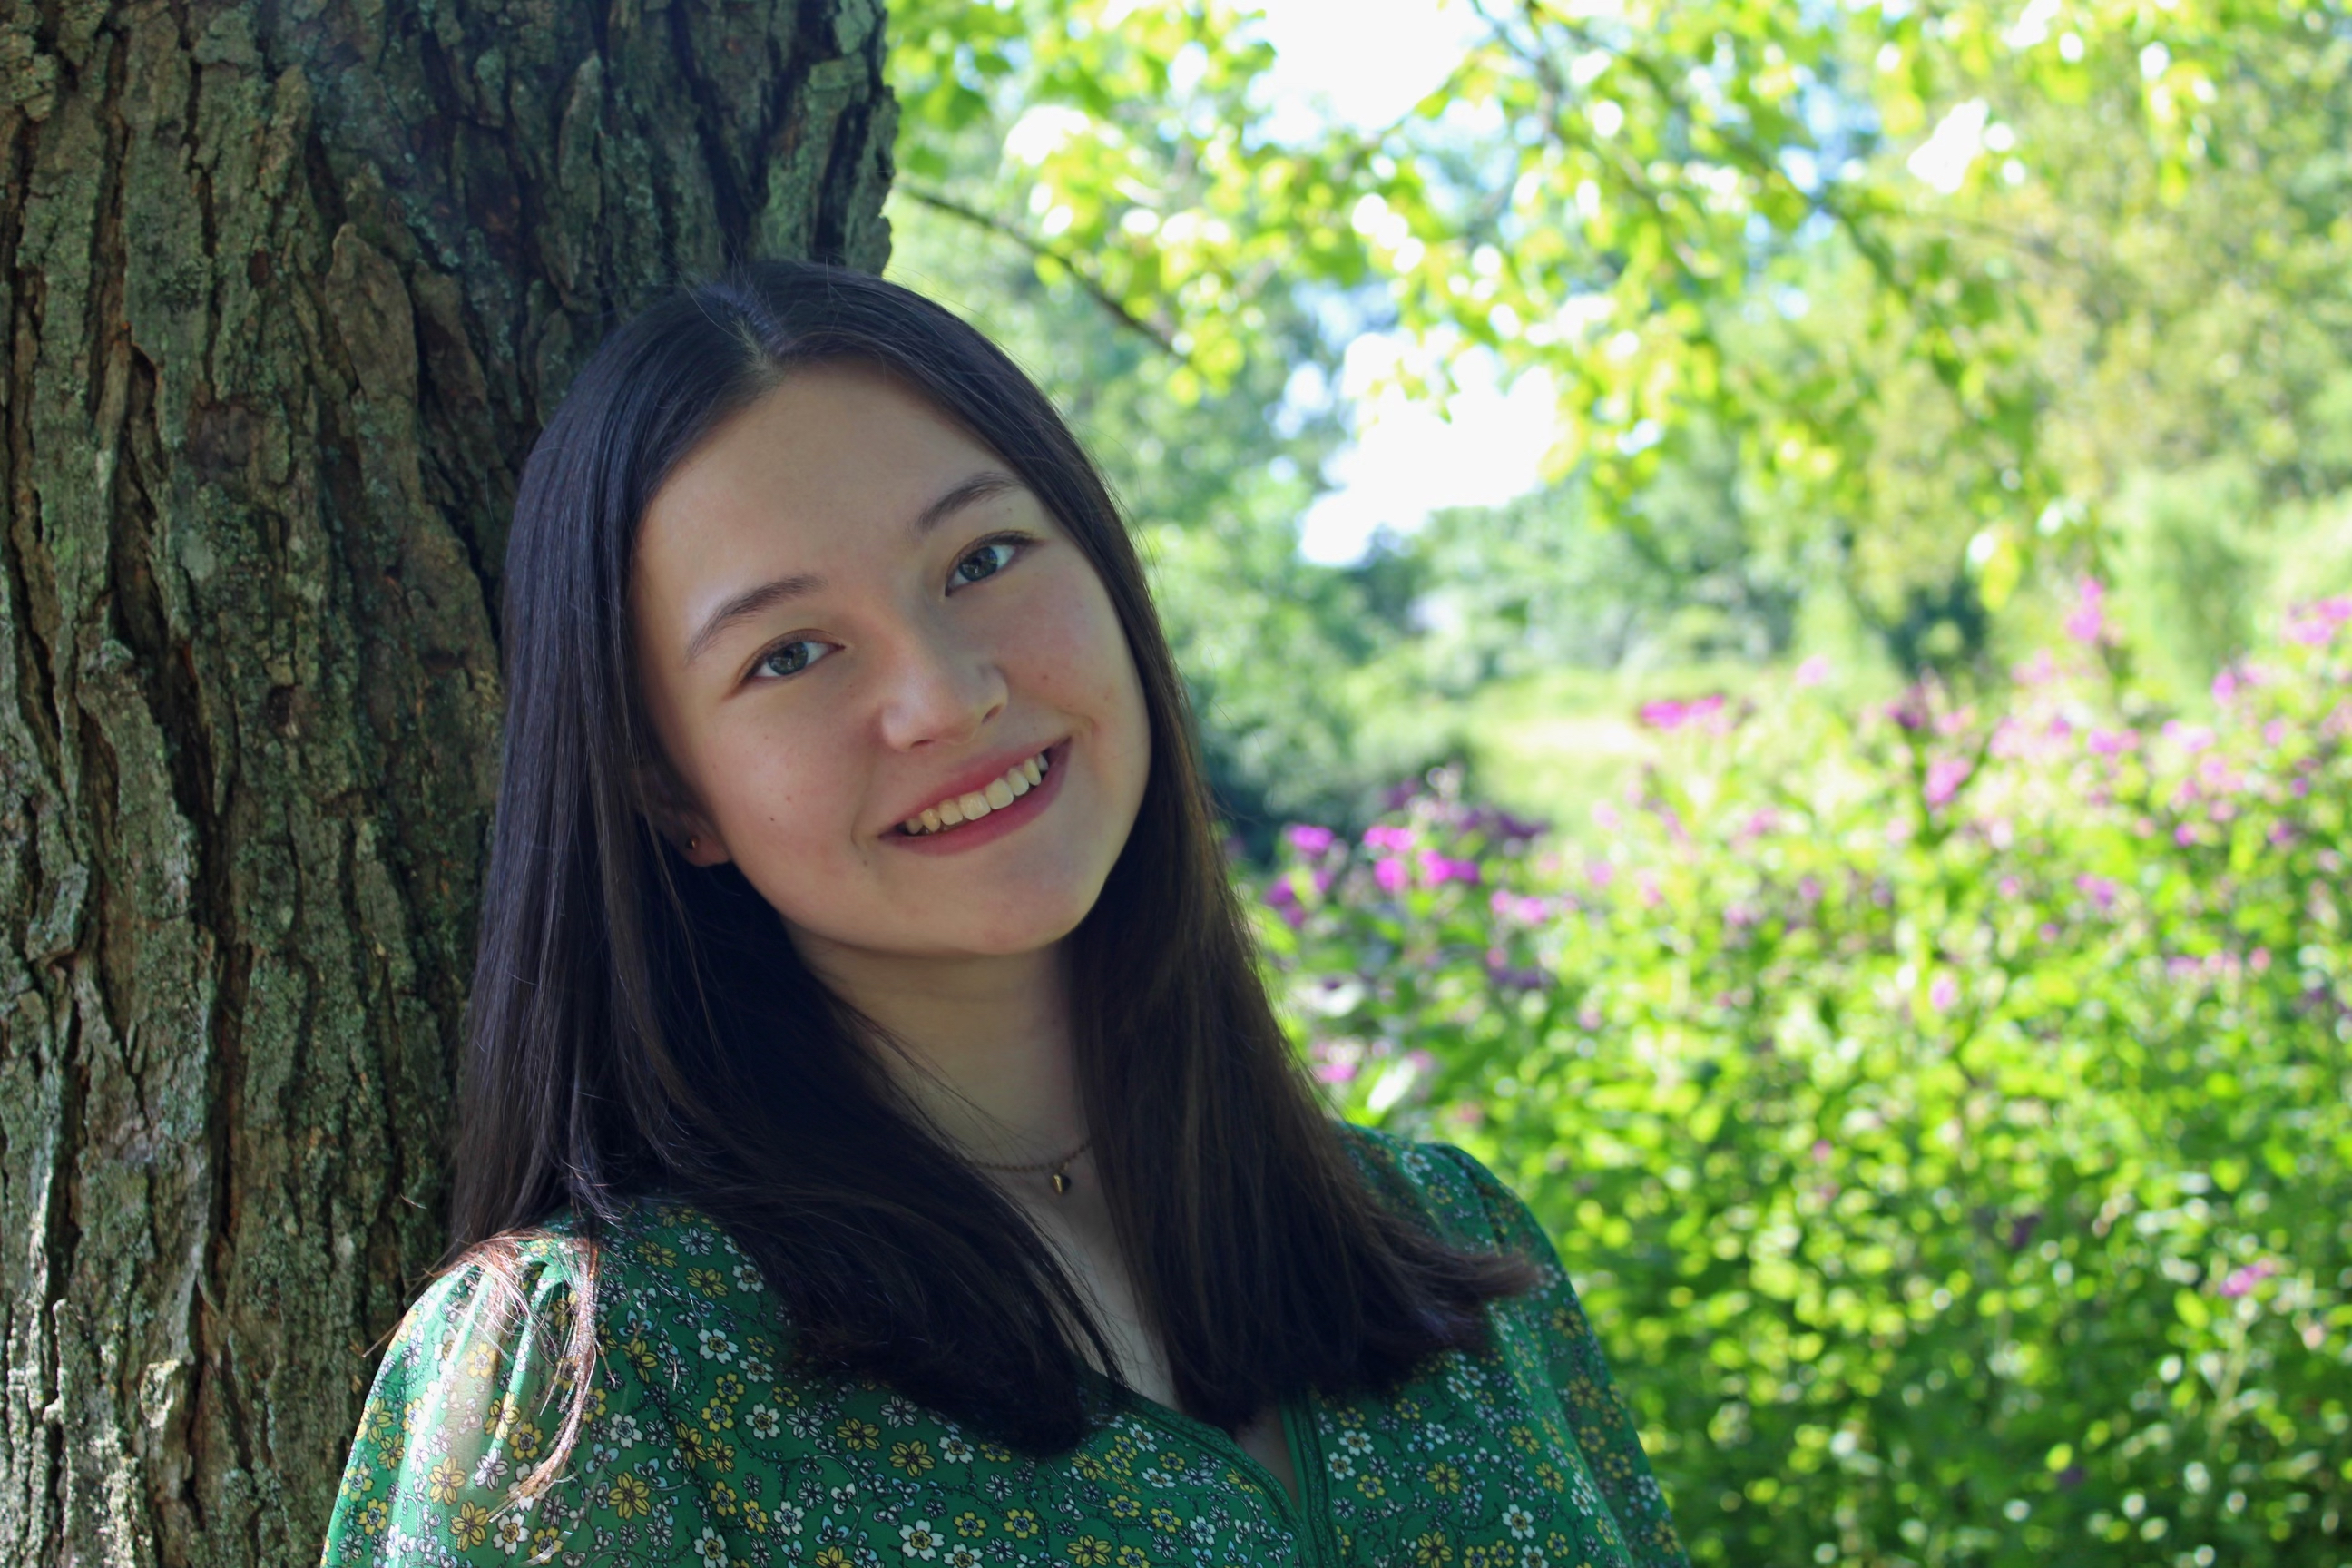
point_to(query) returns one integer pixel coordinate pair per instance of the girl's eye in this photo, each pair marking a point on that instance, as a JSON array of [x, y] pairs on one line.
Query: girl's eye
[[790, 658], [986, 561]]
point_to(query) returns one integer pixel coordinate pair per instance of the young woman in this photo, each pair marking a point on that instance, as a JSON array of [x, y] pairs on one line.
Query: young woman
[[877, 1144]]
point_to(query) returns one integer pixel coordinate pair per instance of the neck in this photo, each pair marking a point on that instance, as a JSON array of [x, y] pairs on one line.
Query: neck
[[985, 1043]]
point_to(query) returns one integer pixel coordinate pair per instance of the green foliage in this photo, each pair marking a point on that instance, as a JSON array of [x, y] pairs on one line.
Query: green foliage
[[1947, 1112]]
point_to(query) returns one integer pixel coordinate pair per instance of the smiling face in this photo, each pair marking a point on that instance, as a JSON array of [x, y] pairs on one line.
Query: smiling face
[[847, 613]]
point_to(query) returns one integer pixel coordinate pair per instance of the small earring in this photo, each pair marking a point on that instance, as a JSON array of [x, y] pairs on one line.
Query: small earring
[[693, 842]]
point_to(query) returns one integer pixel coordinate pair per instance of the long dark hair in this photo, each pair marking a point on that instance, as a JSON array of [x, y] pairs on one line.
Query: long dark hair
[[639, 1025]]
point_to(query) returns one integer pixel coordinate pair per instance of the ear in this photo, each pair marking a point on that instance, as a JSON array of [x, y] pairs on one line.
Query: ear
[[677, 819]]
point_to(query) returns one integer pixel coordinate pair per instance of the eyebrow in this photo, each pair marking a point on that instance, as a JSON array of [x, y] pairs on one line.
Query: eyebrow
[[979, 487]]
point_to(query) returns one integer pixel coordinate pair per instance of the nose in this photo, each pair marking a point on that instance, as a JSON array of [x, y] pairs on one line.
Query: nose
[[937, 686]]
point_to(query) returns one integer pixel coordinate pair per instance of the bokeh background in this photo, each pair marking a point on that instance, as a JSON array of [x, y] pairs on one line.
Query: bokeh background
[[1766, 584]]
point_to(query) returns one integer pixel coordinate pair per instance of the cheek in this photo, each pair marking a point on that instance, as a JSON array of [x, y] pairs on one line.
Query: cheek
[[1070, 653]]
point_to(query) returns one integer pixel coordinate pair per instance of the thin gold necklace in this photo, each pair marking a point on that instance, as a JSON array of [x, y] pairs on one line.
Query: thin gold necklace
[[1060, 1168]]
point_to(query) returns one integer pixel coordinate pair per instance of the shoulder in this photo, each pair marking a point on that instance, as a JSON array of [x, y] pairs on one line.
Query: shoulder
[[1447, 1186]]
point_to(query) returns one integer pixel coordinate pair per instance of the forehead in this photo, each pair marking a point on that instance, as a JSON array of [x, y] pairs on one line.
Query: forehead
[[830, 447]]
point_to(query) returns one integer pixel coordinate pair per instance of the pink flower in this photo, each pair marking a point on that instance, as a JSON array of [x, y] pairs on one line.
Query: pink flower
[[2011, 886], [2039, 670], [1436, 867], [2087, 622], [2225, 686], [2113, 742], [1945, 777], [1398, 839], [2315, 624], [2101, 892], [1672, 715], [1944, 995], [1309, 839], [1283, 899], [2241, 1281], [1389, 873], [1813, 672]]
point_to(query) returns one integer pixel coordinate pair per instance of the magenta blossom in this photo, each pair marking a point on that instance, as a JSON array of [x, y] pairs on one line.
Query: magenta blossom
[[2241, 1281], [1395, 839], [1944, 995], [1945, 777], [1436, 867], [1309, 839], [2315, 624], [1672, 715], [1391, 874], [2087, 622], [1813, 672]]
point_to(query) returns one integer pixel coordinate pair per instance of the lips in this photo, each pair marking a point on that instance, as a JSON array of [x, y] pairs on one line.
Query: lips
[[971, 805], [976, 792]]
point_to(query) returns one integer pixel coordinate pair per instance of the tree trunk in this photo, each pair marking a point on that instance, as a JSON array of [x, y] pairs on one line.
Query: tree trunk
[[289, 285]]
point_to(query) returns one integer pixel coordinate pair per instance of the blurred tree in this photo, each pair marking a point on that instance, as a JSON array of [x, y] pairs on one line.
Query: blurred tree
[[288, 291]]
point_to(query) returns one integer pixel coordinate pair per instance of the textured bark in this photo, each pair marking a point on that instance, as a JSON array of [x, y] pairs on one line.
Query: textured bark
[[288, 285]]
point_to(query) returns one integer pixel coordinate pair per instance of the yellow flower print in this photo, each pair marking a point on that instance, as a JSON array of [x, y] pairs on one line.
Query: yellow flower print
[[859, 1436], [655, 1253], [1547, 1477], [1166, 1520], [833, 1557], [470, 1525], [1088, 1552], [545, 1542], [723, 1499], [727, 1386], [996, 1453], [640, 1354], [914, 1458], [482, 1360], [1126, 1508], [526, 1442], [1432, 1549], [969, 1524], [755, 1518], [1523, 1437], [374, 1516], [1021, 1524], [1444, 1480], [1371, 1486], [1088, 1466], [632, 1498], [1133, 1557], [709, 1281], [443, 1481], [719, 1414]]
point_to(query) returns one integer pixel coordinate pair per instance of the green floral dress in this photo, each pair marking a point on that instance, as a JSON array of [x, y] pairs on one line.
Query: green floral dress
[[704, 1446]]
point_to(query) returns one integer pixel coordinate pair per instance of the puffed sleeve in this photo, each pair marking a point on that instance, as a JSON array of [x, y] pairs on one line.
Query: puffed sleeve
[[467, 1406], [1597, 1410]]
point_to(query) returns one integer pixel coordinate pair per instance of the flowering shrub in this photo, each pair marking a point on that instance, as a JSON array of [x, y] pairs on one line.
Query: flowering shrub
[[1948, 1115]]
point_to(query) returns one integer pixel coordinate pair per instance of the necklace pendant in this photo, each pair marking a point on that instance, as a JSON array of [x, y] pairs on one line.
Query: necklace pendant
[[1061, 1183]]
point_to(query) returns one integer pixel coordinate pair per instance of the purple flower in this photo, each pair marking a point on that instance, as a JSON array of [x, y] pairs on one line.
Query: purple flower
[[1944, 995], [2087, 622], [2113, 742], [2039, 670], [2011, 886], [1945, 777], [1309, 839], [2101, 891], [2315, 624], [2241, 1281], [1396, 839], [1389, 873], [1283, 899], [1671, 715], [1436, 867], [1813, 672]]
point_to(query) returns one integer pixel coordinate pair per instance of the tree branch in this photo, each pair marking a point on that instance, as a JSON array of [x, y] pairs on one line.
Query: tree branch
[[1039, 250]]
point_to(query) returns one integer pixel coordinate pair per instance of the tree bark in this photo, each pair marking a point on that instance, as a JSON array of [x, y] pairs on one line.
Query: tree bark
[[288, 286]]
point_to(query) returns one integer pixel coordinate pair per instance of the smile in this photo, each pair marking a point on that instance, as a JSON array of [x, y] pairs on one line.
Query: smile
[[973, 804]]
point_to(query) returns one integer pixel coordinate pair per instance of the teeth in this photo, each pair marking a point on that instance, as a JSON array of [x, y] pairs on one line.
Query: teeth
[[1000, 793]]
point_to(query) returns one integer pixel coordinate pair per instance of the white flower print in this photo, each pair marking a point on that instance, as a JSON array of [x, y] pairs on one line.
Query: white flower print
[[955, 1450], [747, 1278], [920, 1540], [715, 1346], [711, 1547], [900, 1412], [1518, 1521]]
